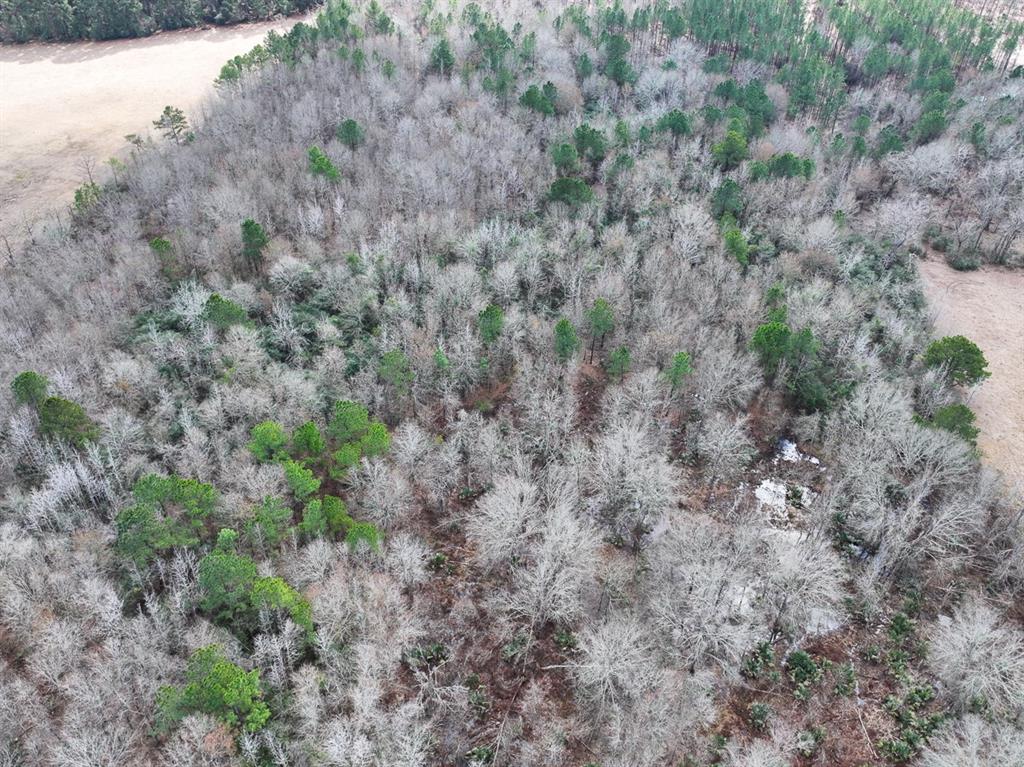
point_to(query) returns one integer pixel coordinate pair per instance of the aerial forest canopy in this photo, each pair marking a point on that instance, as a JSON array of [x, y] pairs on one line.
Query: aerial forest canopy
[[22, 20], [474, 384]]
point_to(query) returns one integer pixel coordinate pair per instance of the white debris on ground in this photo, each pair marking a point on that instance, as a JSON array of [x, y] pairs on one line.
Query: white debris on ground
[[771, 493], [741, 598], [781, 502], [824, 621], [790, 453]]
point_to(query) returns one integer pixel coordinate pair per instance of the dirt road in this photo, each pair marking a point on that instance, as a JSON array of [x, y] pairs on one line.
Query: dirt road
[[64, 104], [987, 306]]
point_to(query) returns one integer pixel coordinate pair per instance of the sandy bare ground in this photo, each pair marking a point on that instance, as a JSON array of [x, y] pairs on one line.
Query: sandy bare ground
[[62, 104], [987, 306]]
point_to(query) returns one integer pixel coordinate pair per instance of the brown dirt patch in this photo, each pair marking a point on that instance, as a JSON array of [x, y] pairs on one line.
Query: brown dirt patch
[[987, 306], [590, 385], [489, 397], [853, 725]]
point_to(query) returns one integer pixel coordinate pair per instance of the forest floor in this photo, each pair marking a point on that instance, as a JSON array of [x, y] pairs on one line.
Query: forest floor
[[987, 306], [64, 106]]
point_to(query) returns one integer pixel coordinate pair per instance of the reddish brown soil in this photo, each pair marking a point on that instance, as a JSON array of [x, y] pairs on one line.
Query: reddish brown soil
[[853, 725], [590, 385]]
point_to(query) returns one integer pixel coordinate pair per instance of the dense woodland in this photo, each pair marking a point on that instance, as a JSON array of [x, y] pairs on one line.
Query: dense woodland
[[22, 20], [472, 385]]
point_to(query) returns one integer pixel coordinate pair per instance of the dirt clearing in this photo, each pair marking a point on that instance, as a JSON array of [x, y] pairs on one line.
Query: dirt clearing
[[987, 306], [62, 104]]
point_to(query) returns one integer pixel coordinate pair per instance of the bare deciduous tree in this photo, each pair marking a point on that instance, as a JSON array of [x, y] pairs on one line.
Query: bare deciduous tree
[[980, 659], [974, 742]]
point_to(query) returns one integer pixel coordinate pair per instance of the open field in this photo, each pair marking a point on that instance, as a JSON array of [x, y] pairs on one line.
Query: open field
[[987, 306], [63, 105]]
